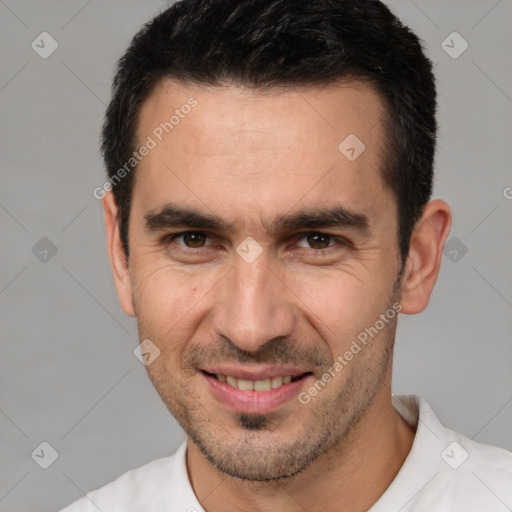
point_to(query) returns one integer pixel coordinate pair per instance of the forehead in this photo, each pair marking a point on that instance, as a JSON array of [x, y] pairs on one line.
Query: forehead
[[257, 148], [332, 112]]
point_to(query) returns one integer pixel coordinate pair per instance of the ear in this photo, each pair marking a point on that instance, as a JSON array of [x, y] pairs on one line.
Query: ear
[[118, 260], [424, 258]]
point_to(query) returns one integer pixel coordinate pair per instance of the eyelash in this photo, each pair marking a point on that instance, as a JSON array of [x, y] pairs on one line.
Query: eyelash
[[194, 250]]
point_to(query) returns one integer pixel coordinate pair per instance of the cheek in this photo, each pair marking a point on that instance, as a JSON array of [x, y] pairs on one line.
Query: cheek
[[167, 300], [169, 307], [340, 306]]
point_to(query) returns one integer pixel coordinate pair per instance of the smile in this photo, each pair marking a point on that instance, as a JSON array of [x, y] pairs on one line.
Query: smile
[[261, 395], [257, 385]]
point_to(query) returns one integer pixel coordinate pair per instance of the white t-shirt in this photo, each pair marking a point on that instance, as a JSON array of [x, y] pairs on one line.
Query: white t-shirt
[[445, 471]]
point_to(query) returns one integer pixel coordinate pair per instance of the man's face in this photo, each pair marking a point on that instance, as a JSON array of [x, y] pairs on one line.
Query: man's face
[[266, 166]]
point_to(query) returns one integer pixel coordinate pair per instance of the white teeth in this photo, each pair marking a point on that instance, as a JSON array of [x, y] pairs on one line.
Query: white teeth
[[254, 385], [232, 381], [276, 382], [262, 385], [246, 385]]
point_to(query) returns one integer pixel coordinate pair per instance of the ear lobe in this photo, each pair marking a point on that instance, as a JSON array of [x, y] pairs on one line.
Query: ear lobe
[[425, 255], [116, 254]]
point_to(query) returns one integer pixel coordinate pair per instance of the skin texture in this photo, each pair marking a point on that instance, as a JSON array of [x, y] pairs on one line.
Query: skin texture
[[249, 158]]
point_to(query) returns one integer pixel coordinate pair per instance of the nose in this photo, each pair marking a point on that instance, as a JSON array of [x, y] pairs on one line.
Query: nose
[[253, 305]]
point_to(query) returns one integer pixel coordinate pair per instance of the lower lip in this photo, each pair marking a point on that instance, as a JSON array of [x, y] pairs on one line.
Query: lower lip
[[255, 402]]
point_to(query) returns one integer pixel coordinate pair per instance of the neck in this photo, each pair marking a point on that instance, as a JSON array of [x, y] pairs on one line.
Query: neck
[[350, 476]]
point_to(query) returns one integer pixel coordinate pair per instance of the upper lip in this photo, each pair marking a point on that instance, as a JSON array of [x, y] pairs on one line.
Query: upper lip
[[257, 371]]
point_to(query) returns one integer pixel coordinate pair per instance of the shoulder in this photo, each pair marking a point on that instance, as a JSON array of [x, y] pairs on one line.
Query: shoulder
[[470, 475], [478, 469], [137, 489], [446, 470]]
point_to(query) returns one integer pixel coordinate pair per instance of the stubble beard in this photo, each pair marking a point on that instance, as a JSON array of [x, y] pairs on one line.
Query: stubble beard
[[260, 450]]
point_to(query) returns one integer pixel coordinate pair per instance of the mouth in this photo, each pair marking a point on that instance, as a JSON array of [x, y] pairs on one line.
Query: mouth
[[261, 385], [261, 394]]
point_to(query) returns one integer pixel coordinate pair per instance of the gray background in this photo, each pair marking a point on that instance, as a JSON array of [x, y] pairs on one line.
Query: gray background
[[68, 374]]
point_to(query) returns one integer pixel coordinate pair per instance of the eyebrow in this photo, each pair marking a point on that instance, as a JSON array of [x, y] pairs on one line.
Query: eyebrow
[[172, 215]]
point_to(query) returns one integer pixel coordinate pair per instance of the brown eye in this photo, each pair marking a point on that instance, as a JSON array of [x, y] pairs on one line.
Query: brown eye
[[318, 240], [192, 239]]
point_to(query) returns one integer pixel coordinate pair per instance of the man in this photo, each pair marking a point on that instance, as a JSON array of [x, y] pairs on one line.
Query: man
[[268, 217]]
